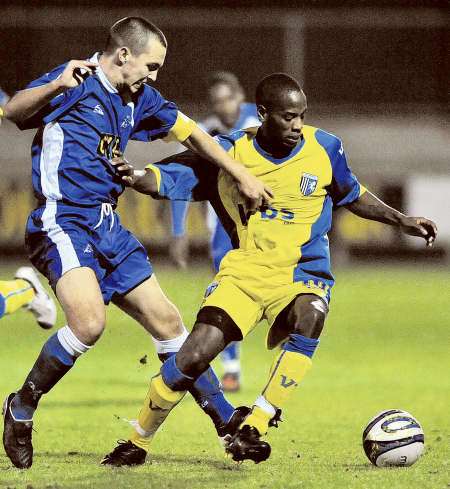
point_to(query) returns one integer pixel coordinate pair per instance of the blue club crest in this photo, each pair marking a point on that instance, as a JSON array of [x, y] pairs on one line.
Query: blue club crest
[[308, 183]]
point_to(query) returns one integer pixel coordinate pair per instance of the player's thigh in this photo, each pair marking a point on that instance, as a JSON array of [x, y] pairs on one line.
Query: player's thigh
[[151, 308], [305, 315], [231, 297], [80, 297]]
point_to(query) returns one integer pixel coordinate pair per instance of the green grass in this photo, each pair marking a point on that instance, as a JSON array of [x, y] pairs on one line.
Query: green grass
[[385, 345]]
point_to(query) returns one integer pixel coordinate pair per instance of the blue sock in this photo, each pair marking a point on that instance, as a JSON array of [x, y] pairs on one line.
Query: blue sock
[[301, 344], [179, 210], [231, 352], [51, 365], [206, 390]]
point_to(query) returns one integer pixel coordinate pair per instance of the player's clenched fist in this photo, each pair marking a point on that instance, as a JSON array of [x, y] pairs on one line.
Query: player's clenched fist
[[75, 73], [126, 171]]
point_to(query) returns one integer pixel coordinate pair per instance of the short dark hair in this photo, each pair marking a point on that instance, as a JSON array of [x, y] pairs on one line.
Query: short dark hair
[[224, 78], [133, 33], [272, 87]]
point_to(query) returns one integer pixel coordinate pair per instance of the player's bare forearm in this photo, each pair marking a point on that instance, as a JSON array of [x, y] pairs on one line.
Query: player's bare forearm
[[368, 206], [203, 144], [26, 103], [256, 193]]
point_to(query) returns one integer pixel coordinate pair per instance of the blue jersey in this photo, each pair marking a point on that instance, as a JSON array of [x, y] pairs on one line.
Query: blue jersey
[[248, 117], [82, 129]]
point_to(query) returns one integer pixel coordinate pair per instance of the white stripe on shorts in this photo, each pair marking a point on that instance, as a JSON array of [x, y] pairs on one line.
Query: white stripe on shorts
[[67, 254]]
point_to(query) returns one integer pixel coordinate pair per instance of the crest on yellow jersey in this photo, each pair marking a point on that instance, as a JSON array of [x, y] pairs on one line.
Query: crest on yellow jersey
[[308, 183]]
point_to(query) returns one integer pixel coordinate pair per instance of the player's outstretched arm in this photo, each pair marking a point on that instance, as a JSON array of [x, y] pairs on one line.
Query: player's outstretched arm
[[371, 207], [27, 102], [253, 190]]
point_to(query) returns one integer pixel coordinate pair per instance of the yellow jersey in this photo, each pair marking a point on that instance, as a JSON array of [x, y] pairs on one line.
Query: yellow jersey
[[286, 242]]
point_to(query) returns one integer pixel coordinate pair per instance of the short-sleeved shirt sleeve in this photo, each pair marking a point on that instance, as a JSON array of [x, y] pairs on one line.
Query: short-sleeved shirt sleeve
[[185, 176], [227, 142], [345, 187], [161, 119]]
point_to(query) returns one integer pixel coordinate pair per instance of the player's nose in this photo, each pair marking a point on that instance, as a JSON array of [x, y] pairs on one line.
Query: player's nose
[[152, 76], [297, 124]]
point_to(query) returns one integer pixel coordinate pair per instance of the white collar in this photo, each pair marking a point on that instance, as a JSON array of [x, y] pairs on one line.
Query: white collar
[[101, 74]]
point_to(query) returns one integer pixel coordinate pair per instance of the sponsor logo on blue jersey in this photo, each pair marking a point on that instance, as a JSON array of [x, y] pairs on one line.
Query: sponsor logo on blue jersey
[[98, 109], [109, 146]]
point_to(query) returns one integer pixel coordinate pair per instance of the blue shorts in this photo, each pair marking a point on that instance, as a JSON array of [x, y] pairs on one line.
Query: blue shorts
[[60, 237]]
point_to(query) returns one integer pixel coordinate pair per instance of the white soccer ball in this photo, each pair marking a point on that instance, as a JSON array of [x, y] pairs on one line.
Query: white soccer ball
[[393, 438]]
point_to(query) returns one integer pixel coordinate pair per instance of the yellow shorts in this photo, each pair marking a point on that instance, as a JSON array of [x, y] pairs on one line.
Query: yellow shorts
[[249, 301]]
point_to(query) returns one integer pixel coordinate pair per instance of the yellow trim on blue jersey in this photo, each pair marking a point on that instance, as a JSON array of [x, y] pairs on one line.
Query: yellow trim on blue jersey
[[182, 128], [157, 172]]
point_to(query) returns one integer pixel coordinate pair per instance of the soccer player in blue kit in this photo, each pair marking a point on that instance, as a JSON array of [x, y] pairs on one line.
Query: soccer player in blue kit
[[85, 112]]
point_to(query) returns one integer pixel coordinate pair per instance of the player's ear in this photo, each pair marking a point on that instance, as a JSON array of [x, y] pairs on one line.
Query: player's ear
[[262, 113], [123, 54]]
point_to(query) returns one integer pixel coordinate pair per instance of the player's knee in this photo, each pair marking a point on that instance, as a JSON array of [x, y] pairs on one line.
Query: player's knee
[[308, 317], [89, 330], [193, 362], [199, 362], [311, 325], [202, 346]]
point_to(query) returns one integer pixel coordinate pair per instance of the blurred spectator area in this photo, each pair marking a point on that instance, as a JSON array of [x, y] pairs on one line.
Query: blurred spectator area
[[375, 76]]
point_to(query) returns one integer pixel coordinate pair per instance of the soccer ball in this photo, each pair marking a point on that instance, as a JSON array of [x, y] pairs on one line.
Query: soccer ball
[[393, 438]]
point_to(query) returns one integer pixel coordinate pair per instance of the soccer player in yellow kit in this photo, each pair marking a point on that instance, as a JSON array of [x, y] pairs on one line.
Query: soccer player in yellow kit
[[280, 267]]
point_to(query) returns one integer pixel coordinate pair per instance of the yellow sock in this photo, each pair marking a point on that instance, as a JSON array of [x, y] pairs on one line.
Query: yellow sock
[[15, 294], [287, 370], [259, 419], [159, 402]]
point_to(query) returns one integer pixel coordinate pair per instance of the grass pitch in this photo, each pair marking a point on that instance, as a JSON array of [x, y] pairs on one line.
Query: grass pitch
[[385, 346]]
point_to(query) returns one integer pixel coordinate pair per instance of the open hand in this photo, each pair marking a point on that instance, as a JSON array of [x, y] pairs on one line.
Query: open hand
[[419, 226], [255, 192]]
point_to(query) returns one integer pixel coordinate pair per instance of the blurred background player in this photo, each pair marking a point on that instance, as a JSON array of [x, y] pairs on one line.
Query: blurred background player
[[230, 113], [27, 291]]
